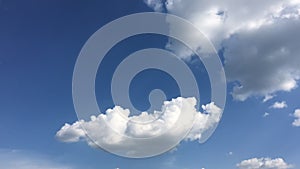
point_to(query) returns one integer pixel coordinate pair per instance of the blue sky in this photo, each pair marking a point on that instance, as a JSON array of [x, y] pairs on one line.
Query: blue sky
[[40, 42]]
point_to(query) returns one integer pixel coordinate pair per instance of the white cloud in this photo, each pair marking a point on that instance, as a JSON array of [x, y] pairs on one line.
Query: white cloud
[[264, 163], [297, 116], [279, 105], [259, 38], [18, 159], [103, 135]]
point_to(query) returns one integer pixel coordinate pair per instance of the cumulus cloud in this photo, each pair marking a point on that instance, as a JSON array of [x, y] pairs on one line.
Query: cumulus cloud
[[115, 128], [279, 105], [297, 116], [264, 163], [259, 40]]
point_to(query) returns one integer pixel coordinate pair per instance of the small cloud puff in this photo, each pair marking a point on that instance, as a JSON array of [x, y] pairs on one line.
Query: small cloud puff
[[266, 114], [296, 114], [279, 105]]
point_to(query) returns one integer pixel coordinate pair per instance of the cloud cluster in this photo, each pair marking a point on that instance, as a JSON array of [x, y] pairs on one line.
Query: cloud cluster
[[115, 128], [296, 122], [260, 42], [264, 163]]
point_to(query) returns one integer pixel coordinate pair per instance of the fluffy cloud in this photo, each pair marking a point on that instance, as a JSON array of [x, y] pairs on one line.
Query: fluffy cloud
[[264, 163], [115, 128], [297, 116], [260, 42], [279, 105]]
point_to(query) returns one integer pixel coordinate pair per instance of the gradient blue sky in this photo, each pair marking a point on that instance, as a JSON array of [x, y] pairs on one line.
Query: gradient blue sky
[[39, 45]]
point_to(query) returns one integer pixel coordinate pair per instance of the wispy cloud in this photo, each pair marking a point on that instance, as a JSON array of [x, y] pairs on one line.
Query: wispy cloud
[[268, 97], [19, 159]]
